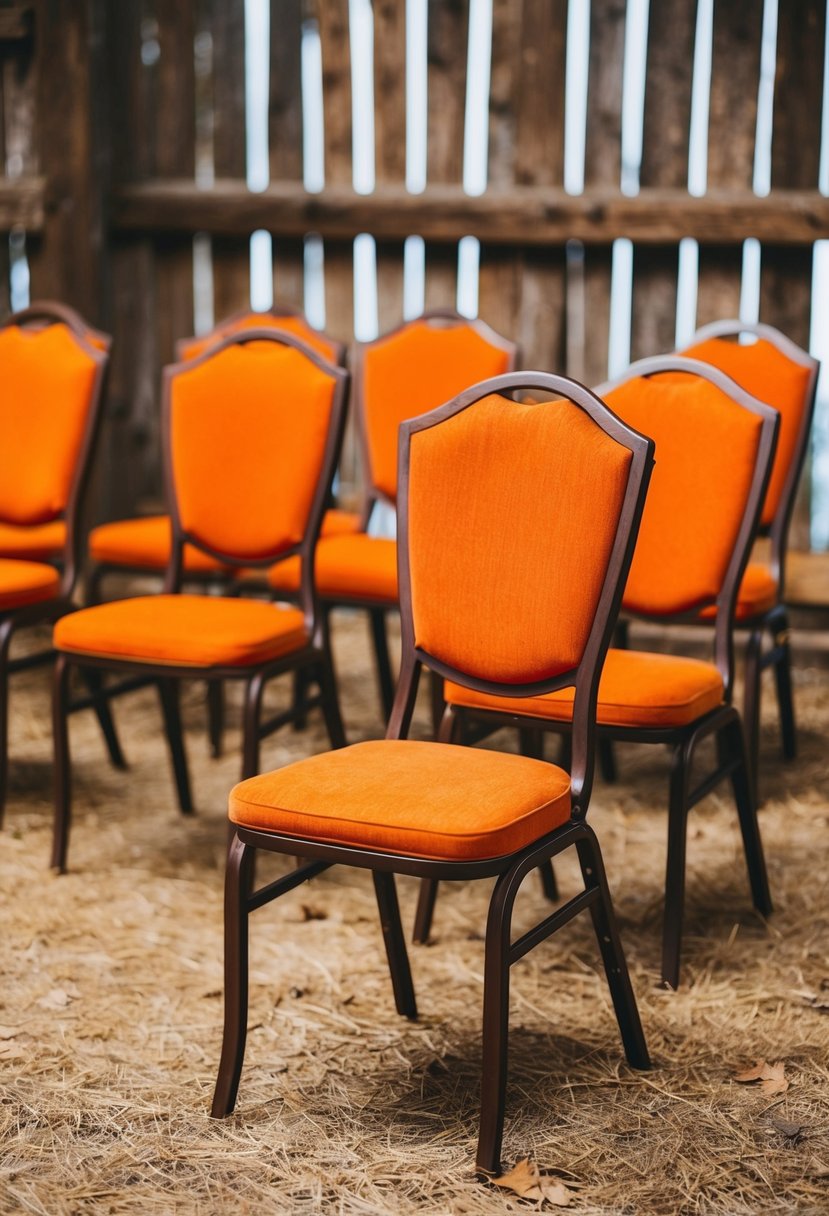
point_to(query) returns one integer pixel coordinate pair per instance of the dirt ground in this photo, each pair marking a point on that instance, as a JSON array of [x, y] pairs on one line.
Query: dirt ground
[[111, 1000]]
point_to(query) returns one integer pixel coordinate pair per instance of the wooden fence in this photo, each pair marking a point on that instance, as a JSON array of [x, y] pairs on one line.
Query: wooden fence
[[123, 132]]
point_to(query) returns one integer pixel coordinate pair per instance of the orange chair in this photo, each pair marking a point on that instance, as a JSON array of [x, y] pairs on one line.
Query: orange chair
[[251, 430], [776, 371], [53, 369], [408, 371], [142, 546], [714, 446], [516, 526]]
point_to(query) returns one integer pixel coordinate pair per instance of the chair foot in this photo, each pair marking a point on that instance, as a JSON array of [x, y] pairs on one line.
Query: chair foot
[[237, 889]]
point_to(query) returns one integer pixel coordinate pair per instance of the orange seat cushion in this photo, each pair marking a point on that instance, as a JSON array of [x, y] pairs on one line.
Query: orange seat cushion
[[46, 391], [146, 543], [636, 689], [431, 800], [35, 543], [184, 630], [23, 583], [769, 375], [758, 593], [346, 567]]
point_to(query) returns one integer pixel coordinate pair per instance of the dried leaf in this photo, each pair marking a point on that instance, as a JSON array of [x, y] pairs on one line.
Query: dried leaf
[[772, 1077], [792, 1131], [526, 1181]]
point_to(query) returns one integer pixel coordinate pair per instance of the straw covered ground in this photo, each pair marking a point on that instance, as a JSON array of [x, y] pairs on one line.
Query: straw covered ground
[[111, 998]]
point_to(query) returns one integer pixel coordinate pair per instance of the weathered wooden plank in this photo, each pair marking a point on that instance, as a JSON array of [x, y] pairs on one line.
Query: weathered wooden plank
[[22, 203], [666, 128], [390, 144], [5, 281], [448, 34], [602, 167], [231, 256], [735, 76], [522, 216], [786, 274], [285, 137]]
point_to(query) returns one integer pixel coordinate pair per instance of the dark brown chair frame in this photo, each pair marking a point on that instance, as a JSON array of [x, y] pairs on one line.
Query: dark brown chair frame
[[462, 724], [510, 870], [314, 657], [774, 622], [372, 495], [40, 314]]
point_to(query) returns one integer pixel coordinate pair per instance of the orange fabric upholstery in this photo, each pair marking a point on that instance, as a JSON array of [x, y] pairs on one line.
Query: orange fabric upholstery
[[706, 452], [540, 478], [184, 630], [288, 324], [399, 796], [145, 543], [35, 543], [245, 478], [24, 583], [758, 593], [636, 689], [346, 567], [765, 372], [45, 395], [414, 371]]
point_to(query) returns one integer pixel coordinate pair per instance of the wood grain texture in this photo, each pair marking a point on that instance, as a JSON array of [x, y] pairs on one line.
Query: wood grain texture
[[231, 257], [285, 139], [666, 129], [735, 78], [390, 145]]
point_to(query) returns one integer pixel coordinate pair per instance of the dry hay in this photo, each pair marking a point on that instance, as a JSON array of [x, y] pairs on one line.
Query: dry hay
[[110, 1005]]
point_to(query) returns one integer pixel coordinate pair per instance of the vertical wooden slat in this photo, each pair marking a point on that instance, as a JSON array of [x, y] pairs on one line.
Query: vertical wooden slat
[[448, 33], [735, 77], [786, 276], [131, 439], [5, 288], [336, 82], [175, 157], [602, 167], [667, 116], [390, 144], [285, 137], [231, 255]]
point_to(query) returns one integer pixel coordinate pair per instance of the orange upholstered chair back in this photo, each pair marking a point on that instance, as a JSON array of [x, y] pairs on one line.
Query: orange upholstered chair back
[[510, 524], [776, 371], [414, 369], [713, 447], [251, 432], [285, 321], [50, 385]]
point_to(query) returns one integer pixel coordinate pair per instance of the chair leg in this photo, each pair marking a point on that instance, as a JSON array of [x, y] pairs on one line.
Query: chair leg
[[94, 680], [675, 866], [215, 716], [254, 691], [300, 691], [61, 763], [610, 945], [437, 703], [401, 975], [495, 1026], [730, 743], [425, 910], [238, 880], [331, 702], [753, 674], [607, 760], [779, 626], [168, 692], [5, 641], [377, 619], [531, 743]]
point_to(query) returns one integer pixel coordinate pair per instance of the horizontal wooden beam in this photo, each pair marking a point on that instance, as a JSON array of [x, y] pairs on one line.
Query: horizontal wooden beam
[[521, 216], [21, 203]]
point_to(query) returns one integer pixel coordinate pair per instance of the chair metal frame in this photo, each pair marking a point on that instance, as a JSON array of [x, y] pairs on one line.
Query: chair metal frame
[[42, 314], [510, 870], [314, 656], [462, 723]]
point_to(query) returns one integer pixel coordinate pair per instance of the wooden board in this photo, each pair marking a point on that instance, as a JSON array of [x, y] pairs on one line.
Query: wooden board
[[231, 256], [448, 34], [285, 140], [390, 145]]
